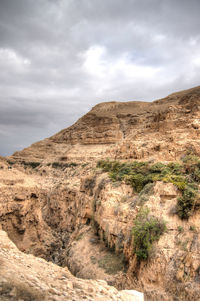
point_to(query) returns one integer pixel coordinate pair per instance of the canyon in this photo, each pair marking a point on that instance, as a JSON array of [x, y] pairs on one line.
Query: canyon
[[67, 214]]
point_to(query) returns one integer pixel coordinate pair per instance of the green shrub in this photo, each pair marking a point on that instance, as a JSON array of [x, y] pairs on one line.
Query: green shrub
[[185, 176], [179, 181], [89, 184], [157, 167], [137, 181], [145, 193], [186, 203], [192, 166], [56, 165], [10, 162], [192, 228], [30, 164], [146, 230], [190, 158], [62, 165], [180, 229], [175, 168]]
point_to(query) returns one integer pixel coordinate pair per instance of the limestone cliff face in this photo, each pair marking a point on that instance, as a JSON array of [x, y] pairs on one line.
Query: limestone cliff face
[[55, 203], [25, 277], [173, 268], [159, 129], [68, 217]]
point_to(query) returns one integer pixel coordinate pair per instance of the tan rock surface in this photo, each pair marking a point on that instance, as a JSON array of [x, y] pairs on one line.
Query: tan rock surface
[[66, 211], [25, 277], [162, 130], [51, 217]]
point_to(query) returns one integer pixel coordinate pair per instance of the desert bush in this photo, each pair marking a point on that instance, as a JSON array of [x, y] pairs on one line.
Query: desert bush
[[186, 203], [184, 175], [138, 174], [146, 230], [179, 181], [30, 164], [157, 167], [180, 229], [190, 158], [144, 195], [191, 164], [10, 162], [62, 165], [89, 184], [192, 228]]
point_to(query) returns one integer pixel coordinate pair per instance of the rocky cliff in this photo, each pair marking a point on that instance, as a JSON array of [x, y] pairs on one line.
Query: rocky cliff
[[162, 129], [25, 277], [60, 203]]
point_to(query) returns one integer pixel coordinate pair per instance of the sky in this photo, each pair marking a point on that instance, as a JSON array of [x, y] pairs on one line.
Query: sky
[[59, 58]]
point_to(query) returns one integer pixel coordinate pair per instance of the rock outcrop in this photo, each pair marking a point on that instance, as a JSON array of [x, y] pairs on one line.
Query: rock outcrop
[[25, 277], [56, 205], [162, 130], [71, 222]]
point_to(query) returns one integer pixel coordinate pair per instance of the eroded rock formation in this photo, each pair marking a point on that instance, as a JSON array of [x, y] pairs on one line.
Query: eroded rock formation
[[25, 277], [56, 205], [162, 130]]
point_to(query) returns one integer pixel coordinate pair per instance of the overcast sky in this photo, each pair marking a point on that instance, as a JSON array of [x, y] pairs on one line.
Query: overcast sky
[[58, 58]]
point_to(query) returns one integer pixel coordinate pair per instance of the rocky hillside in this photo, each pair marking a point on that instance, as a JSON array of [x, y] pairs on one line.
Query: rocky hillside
[[115, 197], [162, 129], [25, 277]]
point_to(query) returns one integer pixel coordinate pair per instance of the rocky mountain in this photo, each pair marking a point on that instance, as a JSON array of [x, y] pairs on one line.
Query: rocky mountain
[[162, 129], [113, 198]]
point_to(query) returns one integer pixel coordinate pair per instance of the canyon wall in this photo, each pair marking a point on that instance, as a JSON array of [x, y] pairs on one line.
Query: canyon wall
[[57, 205]]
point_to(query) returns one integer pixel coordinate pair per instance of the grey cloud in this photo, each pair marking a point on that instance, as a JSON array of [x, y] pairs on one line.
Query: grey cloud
[[15, 113], [142, 50]]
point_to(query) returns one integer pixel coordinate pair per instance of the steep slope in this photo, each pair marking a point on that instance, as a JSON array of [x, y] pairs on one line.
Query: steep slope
[[40, 218], [159, 129], [25, 277], [77, 217], [59, 202]]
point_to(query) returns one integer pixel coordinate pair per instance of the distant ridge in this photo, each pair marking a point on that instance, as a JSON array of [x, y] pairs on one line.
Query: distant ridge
[[163, 129]]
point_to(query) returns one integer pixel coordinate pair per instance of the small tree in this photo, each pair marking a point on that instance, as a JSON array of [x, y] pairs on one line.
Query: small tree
[[146, 230]]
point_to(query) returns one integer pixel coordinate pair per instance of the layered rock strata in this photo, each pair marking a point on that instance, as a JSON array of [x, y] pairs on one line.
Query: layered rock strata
[[162, 129], [25, 277], [55, 203]]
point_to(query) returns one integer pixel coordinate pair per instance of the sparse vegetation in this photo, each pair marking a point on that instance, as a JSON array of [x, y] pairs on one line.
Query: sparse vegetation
[[144, 194], [59, 165], [84, 164], [180, 229], [94, 206], [141, 175], [30, 164], [112, 263], [10, 162], [146, 230], [138, 174], [89, 184], [192, 228], [187, 202]]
